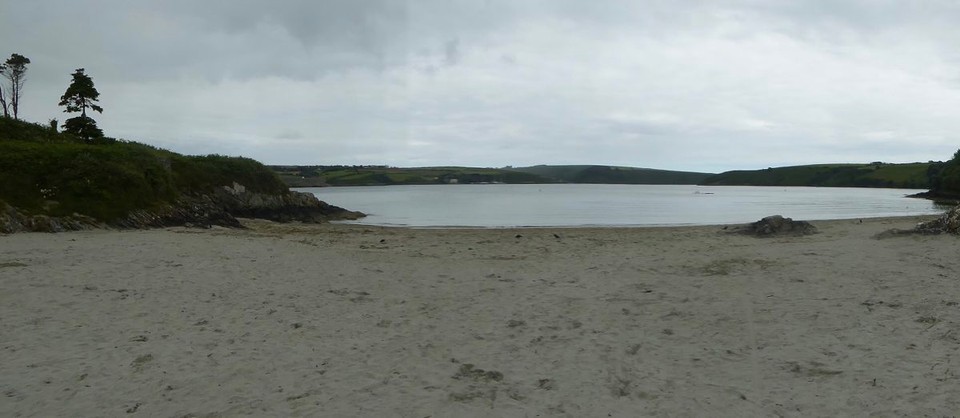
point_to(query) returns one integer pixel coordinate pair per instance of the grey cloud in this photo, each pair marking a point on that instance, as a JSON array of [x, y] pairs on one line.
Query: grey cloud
[[353, 25], [655, 83], [451, 52], [212, 39], [289, 134]]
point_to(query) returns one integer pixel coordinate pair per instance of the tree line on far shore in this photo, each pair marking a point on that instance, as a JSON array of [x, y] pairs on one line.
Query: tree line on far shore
[[80, 96]]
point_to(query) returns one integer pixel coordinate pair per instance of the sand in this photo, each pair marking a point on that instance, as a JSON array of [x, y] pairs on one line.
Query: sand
[[336, 320]]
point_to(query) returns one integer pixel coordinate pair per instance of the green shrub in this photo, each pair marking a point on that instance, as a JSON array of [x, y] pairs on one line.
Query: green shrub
[[104, 182], [200, 174]]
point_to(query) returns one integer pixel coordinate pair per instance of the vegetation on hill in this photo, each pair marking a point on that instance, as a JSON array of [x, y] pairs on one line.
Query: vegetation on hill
[[945, 179], [602, 174], [313, 176], [906, 176], [57, 174], [317, 176]]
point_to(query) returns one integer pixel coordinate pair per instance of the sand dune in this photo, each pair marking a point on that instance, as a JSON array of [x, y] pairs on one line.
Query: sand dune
[[335, 320]]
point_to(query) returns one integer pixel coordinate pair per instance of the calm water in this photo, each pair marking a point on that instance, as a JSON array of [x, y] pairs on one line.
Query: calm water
[[503, 205]]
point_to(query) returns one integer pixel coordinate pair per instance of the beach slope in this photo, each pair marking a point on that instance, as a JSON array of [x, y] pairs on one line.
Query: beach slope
[[338, 320]]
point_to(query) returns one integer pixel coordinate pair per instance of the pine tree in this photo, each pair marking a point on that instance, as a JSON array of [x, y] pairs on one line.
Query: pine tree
[[81, 95]]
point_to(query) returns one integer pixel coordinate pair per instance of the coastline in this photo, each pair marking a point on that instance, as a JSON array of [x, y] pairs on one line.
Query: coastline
[[352, 320], [717, 226], [573, 205]]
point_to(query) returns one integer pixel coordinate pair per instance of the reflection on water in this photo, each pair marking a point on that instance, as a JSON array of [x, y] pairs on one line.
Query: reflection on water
[[503, 205]]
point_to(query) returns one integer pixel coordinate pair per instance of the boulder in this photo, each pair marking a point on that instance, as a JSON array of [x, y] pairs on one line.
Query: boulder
[[776, 225], [949, 223]]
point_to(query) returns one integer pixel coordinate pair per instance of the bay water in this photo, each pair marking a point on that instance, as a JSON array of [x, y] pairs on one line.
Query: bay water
[[604, 205]]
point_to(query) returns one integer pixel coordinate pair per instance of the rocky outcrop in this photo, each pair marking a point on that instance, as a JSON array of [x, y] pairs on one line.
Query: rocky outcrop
[[948, 223], [293, 206], [12, 220], [195, 212], [776, 225], [938, 197], [226, 204], [220, 208]]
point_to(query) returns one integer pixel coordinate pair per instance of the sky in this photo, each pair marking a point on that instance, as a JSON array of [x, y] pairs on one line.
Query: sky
[[680, 85]]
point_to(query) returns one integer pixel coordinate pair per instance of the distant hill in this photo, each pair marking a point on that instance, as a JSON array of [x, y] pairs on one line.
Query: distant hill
[[603, 174], [320, 176], [906, 176]]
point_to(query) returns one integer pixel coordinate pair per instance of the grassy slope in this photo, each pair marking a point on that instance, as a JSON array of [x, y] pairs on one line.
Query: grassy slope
[[911, 175], [44, 172]]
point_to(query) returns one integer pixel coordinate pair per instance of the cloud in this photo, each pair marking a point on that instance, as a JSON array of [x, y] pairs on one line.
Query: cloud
[[687, 85], [451, 52]]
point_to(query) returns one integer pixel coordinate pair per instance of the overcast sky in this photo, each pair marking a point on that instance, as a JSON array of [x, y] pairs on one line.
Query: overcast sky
[[684, 85]]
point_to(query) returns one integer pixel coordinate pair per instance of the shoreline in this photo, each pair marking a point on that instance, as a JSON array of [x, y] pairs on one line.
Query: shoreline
[[351, 320], [918, 218], [246, 222], [671, 206]]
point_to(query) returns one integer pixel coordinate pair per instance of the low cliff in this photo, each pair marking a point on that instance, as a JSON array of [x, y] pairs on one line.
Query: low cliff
[[221, 208], [285, 207], [50, 181], [13, 220]]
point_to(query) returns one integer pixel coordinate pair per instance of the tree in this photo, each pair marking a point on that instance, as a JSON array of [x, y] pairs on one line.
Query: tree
[[81, 95], [15, 71], [3, 99]]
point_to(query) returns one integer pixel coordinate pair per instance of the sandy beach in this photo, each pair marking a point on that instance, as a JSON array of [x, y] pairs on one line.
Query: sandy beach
[[343, 321]]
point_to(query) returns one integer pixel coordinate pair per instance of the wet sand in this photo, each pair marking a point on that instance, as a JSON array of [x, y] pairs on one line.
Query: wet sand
[[336, 320]]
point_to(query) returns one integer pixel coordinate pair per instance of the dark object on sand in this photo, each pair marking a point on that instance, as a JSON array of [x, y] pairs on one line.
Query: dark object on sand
[[776, 225], [948, 223]]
